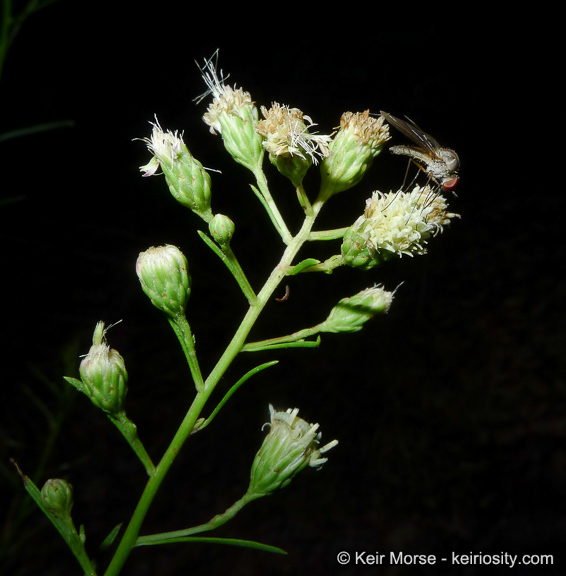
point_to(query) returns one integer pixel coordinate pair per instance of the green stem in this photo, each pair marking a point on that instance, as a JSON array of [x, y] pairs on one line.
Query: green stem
[[327, 266], [185, 336], [327, 234], [303, 199], [203, 393], [131, 534], [263, 297], [130, 432], [238, 272], [229, 258], [212, 524], [10, 24], [5, 23], [271, 207], [298, 339]]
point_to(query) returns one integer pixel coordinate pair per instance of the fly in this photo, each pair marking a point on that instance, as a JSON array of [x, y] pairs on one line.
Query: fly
[[440, 164]]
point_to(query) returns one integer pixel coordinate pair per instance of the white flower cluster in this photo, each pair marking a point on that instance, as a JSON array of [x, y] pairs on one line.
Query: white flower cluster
[[402, 222]]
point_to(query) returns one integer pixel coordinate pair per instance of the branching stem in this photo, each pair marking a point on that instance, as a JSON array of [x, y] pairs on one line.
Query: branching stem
[[205, 390]]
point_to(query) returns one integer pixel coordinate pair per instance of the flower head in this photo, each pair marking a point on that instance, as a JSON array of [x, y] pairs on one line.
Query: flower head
[[188, 181], [286, 133], [291, 445], [291, 147], [166, 147], [359, 140], [103, 374], [396, 223], [350, 314], [232, 114]]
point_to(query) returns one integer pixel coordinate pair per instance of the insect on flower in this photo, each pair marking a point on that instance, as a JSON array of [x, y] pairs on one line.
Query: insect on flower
[[440, 164]]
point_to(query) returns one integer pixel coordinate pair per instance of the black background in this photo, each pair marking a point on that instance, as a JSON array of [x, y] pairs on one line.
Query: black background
[[450, 411]]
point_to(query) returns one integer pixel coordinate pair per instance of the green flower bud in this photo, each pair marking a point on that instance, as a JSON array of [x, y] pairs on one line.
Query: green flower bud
[[57, 496], [221, 229], [350, 314], [290, 446], [395, 224], [188, 181], [104, 375], [358, 141], [164, 277]]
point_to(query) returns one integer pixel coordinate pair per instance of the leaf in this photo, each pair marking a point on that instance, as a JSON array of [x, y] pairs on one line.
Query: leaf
[[271, 345], [78, 384], [302, 266], [210, 540], [109, 540], [228, 394]]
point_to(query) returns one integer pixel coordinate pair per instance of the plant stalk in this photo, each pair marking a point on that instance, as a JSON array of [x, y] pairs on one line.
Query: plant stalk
[[203, 393]]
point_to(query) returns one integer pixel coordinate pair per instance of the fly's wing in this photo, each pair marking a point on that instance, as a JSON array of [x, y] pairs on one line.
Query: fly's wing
[[414, 133]]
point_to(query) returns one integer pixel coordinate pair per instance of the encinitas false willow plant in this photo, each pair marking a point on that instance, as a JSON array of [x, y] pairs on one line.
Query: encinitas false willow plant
[[393, 224]]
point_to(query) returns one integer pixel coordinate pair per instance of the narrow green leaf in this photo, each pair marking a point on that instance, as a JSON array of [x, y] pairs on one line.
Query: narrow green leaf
[[258, 346], [18, 133], [228, 394], [302, 266], [78, 384], [109, 540], [228, 541]]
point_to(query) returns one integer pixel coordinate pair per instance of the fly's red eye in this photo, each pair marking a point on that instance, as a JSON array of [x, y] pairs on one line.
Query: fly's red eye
[[450, 184]]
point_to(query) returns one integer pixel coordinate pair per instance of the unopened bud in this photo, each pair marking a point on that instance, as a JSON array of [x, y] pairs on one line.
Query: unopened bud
[[350, 314], [164, 277], [221, 229], [57, 496], [104, 375], [291, 445]]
